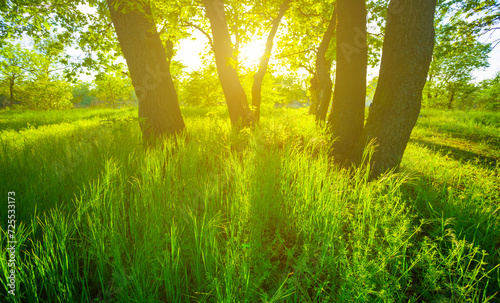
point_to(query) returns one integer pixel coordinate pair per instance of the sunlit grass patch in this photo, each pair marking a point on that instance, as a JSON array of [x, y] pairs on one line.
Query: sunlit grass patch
[[260, 215], [20, 119]]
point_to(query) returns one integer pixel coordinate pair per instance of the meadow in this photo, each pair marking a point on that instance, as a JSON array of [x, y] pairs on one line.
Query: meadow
[[257, 216]]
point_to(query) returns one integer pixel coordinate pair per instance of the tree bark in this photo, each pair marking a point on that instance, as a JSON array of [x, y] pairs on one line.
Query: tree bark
[[323, 68], [452, 98], [347, 116], [264, 62], [429, 94], [406, 56], [149, 71], [235, 96], [11, 90], [313, 89]]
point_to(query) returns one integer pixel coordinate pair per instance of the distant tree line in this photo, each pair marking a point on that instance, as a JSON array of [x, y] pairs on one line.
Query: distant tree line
[[33, 78], [467, 95]]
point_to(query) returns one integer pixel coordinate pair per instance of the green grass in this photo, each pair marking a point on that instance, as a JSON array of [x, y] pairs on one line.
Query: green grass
[[258, 216]]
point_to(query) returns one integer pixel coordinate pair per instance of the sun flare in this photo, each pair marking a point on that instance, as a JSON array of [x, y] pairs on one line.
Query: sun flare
[[251, 52]]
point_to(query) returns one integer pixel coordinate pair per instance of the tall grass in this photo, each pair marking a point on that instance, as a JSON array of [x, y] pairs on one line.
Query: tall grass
[[262, 215]]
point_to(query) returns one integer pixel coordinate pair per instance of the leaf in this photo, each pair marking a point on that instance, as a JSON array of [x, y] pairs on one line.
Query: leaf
[[46, 25]]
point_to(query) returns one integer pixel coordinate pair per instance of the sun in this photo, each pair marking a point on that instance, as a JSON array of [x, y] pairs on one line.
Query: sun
[[250, 53], [190, 52]]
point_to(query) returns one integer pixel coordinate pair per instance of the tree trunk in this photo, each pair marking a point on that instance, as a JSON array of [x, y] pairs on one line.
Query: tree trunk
[[235, 96], [313, 89], [11, 89], [323, 68], [429, 94], [347, 115], [452, 98], [406, 56], [149, 71], [264, 62]]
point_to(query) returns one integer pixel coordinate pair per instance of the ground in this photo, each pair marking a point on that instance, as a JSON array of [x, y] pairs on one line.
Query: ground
[[262, 215]]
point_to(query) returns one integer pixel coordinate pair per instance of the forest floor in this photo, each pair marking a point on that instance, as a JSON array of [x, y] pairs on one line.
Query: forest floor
[[261, 215]]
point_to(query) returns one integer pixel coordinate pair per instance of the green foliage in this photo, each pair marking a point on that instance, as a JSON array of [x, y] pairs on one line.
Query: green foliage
[[201, 88], [15, 64], [255, 216], [44, 93], [371, 87], [287, 89], [457, 54], [482, 96], [64, 22], [487, 95], [82, 94], [114, 89], [29, 76], [485, 13], [452, 85], [306, 22]]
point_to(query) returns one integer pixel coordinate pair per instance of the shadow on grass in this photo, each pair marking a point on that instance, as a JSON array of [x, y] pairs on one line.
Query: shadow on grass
[[458, 214], [477, 135], [459, 154], [478, 138], [48, 172]]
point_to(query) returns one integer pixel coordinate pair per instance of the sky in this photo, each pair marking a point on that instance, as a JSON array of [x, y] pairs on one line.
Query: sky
[[494, 60]]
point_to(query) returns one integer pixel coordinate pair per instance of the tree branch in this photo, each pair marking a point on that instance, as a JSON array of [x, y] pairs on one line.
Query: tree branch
[[308, 69], [296, 53], [189, 24]]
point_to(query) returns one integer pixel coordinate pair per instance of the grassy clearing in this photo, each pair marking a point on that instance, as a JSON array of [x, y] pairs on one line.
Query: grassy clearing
[[255, 216]]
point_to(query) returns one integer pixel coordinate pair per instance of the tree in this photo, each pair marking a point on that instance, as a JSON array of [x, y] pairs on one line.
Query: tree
[[406, 56], [326, 53], [113, 89], [149, 67], [311, 24], [264, 61], [288, 89], [13, 67], [347, 115], [32, 75], [308, 44], [457, 54], [323, 69], [488, 94], [239, 23], [142, 48], [202, 87], [486, 13], [82, 94], [46, 93], [225, 59], [59, 21]]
